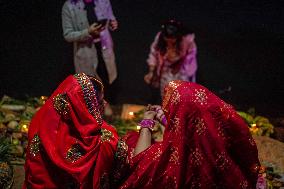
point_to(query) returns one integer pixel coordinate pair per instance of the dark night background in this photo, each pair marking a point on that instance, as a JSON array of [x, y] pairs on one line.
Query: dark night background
[[240, 44]]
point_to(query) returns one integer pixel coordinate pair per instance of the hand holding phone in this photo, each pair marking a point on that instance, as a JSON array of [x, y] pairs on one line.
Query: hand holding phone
[[95, 29]]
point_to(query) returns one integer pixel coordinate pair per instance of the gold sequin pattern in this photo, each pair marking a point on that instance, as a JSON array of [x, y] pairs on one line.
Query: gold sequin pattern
[[131, 153], [169, 89], [157, 154], [174, 158], [221, 132], [244, 184], [222, 162], [199, 126], [200, 96], [34, 147], [89, 96], [175, 98], [122, 149], [4, 171], [227, 110], [106, 135], [171, 182], [197, 157], [98, 82], [74, 153], [61, 105], [174, 126]]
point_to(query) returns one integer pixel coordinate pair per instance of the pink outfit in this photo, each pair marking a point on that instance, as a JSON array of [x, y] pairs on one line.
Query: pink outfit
[[186, 57]]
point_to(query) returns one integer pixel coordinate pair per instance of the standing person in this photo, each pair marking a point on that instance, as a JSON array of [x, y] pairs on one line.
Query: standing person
[[172, 56], [206, 144], [86, 24], [70, 145]]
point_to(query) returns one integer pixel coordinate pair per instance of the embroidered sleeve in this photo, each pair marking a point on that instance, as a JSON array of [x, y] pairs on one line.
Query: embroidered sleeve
[[121, 163]]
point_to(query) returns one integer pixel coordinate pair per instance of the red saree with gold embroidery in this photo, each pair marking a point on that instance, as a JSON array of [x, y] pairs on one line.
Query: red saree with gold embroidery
[[70, 146], [205, 145]]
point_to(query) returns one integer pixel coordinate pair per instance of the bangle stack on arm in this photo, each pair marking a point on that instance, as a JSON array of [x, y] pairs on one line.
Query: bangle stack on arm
[[147, 123]]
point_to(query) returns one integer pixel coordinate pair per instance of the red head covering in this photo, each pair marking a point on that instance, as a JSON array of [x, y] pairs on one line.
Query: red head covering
[[205, 145], [69, 142]]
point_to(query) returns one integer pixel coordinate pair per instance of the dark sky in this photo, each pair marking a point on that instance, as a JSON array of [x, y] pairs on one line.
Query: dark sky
[[240, 44]]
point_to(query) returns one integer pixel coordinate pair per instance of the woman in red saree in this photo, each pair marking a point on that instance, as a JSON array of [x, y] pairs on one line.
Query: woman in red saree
[[70, 146], [205, 145]]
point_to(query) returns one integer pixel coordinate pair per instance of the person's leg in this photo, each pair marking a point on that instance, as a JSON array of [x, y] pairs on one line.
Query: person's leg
[[110, 73], [103, 74]]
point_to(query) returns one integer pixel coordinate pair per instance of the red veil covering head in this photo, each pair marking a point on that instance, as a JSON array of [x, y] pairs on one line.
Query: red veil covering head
[[205, 145], [70, 146]]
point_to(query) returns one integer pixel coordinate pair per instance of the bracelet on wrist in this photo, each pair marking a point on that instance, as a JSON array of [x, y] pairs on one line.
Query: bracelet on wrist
[[147, 123]]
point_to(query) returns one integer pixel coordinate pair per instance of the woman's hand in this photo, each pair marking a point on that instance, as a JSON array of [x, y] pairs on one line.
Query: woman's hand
[[149, 114], [144, 140], [148, 77], [95, 29], [160, 115], [113, 25]]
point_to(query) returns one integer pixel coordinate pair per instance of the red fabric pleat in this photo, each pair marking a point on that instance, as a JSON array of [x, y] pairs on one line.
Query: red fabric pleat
[[206, 145], [50, 167]]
